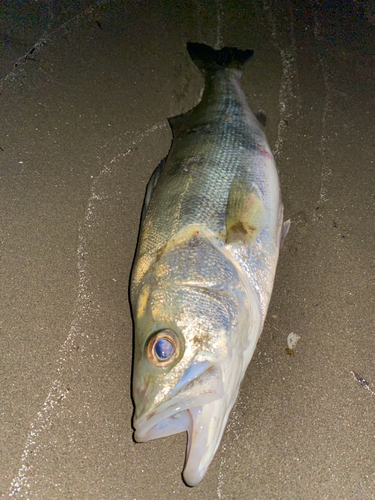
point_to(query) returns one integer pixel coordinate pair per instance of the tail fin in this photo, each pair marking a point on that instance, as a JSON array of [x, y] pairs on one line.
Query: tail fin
[[208, 59]]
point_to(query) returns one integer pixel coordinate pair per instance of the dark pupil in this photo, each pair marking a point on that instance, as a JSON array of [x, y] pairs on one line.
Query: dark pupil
[[163, 349]]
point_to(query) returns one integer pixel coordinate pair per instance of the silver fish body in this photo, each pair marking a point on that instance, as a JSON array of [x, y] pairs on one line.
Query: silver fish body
[[204, 269]]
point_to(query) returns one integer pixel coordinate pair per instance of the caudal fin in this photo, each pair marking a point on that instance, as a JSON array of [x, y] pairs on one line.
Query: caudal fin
[[209, 60]]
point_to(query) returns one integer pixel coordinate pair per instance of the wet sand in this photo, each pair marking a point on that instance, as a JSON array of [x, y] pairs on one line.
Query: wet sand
[[83, 127]]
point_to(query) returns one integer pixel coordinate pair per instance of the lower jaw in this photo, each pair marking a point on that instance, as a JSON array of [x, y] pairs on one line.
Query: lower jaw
[[204, 425], [174, 424]]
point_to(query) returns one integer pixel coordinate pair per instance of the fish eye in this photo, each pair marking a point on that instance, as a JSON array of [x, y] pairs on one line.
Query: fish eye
[[163, 348]]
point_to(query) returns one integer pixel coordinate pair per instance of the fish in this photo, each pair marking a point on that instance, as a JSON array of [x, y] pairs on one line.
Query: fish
[[201, 282]]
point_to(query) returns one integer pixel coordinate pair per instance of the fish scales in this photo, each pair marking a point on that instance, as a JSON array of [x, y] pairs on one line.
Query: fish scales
[[203, 273], [193, 196]]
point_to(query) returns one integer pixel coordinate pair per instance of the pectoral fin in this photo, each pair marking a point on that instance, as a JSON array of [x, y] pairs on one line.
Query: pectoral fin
[[245, 212]]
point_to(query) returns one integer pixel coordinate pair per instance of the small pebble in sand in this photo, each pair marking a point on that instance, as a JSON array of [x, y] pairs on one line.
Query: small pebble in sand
[[292, 340]]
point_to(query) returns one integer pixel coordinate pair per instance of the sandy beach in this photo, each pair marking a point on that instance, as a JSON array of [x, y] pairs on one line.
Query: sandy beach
[[85, 96]]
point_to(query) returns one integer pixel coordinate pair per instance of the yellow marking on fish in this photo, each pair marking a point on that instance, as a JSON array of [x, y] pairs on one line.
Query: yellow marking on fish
[[245, 213], [142, 301], [163, 272]]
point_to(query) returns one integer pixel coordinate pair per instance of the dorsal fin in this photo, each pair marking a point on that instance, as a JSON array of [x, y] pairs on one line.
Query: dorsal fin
[[176, 121]]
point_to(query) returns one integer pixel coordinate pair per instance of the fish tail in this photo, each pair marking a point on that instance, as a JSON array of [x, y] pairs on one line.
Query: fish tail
[[209, 60]]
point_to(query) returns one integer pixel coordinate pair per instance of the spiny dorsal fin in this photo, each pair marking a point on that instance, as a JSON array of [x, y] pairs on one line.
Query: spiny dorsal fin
[[245, 212], [151, 186]]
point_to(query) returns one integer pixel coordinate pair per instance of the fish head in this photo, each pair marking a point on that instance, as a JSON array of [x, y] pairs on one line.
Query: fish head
[[188, 356]]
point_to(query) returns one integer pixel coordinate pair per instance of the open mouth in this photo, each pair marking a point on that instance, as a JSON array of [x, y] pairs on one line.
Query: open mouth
[[195, 405], [201, 384]]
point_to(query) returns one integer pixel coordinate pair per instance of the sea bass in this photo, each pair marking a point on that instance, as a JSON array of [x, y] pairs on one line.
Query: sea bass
[[211, 229]]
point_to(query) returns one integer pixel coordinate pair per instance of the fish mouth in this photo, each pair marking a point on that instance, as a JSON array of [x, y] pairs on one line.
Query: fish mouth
[[196, 405]]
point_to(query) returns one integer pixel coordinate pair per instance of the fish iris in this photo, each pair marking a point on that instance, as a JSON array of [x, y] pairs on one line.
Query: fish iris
[[164, 349]]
